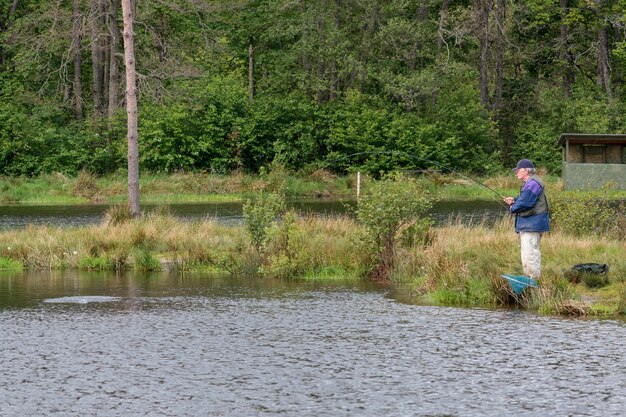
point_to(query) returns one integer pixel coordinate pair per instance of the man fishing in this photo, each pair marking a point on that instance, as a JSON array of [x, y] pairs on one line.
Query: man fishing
[[532, 217]]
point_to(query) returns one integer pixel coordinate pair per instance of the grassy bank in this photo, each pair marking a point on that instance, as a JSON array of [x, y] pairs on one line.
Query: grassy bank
[[162, 188], [452, 265], [198, 187]]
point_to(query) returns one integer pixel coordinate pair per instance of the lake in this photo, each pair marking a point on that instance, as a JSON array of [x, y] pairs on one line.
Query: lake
[[14, 216], [106, 344]]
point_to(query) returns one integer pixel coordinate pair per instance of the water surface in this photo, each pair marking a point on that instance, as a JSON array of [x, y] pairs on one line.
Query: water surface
[[171, 345], [16, 216]]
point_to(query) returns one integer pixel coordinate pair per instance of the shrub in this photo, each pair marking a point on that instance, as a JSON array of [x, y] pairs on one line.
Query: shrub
[[146, 261], [587, 213], [259, 214], [85, 186], [394, 204]]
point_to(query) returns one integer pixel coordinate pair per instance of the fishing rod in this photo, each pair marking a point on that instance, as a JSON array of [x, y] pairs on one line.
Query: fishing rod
[[441, 166]]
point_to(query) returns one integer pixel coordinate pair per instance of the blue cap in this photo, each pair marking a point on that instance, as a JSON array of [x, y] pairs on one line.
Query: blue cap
[[523, 163]]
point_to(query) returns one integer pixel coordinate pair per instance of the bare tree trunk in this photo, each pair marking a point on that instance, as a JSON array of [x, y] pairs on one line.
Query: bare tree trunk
[[131, 109], [482, 10], [368, 29], [306, 65], [500, 56], [251, 68], [334, 71], [4, 25], [604, 70], [97, 57], [440, 37], [421, 15], [114, 69], [76, 43], [618, 37], [321, 94], [161, 38], [564, 55]]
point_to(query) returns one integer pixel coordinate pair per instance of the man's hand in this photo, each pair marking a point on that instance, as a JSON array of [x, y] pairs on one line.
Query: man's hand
[[509, 200]]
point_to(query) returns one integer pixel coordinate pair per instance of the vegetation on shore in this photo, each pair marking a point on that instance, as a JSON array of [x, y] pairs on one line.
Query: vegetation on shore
[[454, 264], [238, 186]]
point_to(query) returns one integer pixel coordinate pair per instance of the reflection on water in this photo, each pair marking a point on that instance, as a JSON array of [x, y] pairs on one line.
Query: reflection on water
[[217, 346], [82, 299], [230, 212]]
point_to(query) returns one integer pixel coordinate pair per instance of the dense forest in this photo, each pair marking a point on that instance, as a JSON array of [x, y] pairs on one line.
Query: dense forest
[[236, 84]]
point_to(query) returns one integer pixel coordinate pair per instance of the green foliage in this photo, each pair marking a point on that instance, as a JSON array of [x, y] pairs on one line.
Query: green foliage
[[96, 263], [285, 255], [144, 260], [391, 206], [595, 280], [276, 176], [455, 132], [259, 214], [200, 133], [331, 79], [587, 111], [291, 128], [10, 264], [587, 213]]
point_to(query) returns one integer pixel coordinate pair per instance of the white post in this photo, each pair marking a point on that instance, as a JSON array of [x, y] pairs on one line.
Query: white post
[[358, 184]]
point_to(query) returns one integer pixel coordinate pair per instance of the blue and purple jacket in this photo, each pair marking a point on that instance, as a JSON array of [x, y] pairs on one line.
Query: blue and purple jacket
[[531, 207]]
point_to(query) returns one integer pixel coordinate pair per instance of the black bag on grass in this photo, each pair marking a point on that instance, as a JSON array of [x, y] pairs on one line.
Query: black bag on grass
[[591, 268]]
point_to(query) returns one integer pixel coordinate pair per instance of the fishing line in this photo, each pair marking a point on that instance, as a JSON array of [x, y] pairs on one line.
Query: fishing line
[[441, 166]]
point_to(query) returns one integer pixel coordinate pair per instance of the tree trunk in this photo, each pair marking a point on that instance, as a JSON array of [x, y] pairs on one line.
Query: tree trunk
[[114, 69], [4, 25], [564, 54], [482, 10], [76, 43], [306, 65], [421, 16], [321, 94], [368, 29], [251, 68], [604, 71], [161, 38], [131, 109], [499, 56], [97, 57], [334, 71], [440, 32]]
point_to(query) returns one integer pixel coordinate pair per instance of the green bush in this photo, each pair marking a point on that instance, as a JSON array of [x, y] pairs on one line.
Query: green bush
[[199, 133], [259, 214], [394, 205], [584, 213]]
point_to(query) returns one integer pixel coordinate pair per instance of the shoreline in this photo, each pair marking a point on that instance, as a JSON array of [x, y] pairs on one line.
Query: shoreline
[[460, 265]]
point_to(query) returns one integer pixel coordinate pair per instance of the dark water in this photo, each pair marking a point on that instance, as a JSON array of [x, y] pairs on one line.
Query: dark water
[[168, 345], [231, 213]]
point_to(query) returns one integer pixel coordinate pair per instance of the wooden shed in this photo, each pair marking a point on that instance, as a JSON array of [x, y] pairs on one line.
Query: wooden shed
[[593, 161]]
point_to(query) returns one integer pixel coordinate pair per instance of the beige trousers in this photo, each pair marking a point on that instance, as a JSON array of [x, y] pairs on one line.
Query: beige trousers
[[531, 255]]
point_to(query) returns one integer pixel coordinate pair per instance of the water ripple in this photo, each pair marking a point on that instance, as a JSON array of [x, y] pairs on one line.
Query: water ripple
[[304, 353]]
